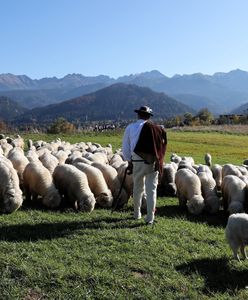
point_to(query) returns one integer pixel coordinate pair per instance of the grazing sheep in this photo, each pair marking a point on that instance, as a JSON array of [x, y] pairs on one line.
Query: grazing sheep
[[37, 180], [167, 186], [237, 234], [73, 185], [111, 177], [230, 169], [6, 147], [189, 191], [49, 161], [209, 192], [116, 160], [32, 156], [73, 156], [128, 183], [217, 175], [189, 159], [98, 157], [208, 159], [186, 164], [61, 156], [233, 192], [204, 168], [39, 144], [83, 160], [97, 184], [175, 158], [10, 192], [19, 161], [243, 170], [18, 142]]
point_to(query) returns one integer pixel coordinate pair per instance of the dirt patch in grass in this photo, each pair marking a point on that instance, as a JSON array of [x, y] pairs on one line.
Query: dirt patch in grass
[[34, 295]]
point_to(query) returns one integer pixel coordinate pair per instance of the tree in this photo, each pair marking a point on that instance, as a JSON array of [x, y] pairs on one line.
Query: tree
[[205, 116], [188, 118], [61, 125]]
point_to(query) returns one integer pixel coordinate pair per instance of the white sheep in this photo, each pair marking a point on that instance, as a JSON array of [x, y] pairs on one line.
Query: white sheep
[[186, 164], [38, 181], [19, 161], [230, 169], [167, 186], [204, 168], [237, 234], [83, 160], [32, 155], [61, 156], [209, 192], [217, 175], [10, 192], [208, 159], [18, 142], [97, 184], [233, 192], [175, 158], [189, 191], [6, 147], [116, 160], [111, 177], [73, 185], [49, 161]]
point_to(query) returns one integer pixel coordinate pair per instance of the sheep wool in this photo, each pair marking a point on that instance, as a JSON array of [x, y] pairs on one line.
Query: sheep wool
[[209, 192], [111, 177], [233, 192], [37, 180], [10, 192], [73, 185], [189, 191], [236, 233], [97, 184]]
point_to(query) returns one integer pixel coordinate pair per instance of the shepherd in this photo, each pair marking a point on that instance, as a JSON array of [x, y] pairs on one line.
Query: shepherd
[[143, 146]]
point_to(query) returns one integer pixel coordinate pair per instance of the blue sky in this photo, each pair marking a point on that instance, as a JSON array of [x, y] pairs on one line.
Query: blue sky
[[44, 38]]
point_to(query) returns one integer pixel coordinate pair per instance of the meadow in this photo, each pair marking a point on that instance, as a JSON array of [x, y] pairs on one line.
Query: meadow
[[66, 255]]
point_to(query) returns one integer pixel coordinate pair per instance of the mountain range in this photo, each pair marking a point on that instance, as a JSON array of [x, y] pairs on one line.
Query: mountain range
[[220, 92], [116, 102], [102, 97]]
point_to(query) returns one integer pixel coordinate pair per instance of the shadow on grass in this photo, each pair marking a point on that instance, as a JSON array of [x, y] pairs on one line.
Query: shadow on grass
[[175, 211], [47, 231], [218, 275]]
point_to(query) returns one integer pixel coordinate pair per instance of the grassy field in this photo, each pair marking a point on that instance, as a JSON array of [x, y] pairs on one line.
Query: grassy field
[[66, 255]]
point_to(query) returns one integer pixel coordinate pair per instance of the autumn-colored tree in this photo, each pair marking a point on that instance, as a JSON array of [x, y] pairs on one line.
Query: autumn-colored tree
[[61, 125]]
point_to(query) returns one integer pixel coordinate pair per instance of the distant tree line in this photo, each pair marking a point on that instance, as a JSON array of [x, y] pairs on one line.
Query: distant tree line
[[205, 117], [61, 125]]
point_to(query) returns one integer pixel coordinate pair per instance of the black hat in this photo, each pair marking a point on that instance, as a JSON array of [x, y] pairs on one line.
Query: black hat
[[144, 109]]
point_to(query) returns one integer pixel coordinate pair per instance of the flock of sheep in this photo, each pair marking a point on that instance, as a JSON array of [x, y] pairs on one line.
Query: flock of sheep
[[86, 175], [209, 187]]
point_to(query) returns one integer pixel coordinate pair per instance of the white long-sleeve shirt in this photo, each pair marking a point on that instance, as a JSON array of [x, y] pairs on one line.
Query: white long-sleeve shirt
[[130, 138]]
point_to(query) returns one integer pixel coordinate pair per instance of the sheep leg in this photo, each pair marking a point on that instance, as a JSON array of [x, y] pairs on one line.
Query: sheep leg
[[27, 194], [235, 253], [225, 203], [182, 201], [243, 251], [34, 196]]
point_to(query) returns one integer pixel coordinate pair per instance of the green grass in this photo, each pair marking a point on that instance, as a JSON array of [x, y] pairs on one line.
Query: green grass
[[66, 255]]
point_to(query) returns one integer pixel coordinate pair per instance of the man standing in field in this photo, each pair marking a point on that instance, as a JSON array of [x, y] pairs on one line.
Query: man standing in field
[[143, 146]]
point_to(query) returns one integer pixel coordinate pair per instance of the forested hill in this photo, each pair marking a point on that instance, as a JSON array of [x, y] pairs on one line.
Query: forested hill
[[9, 109], [116, 102]]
